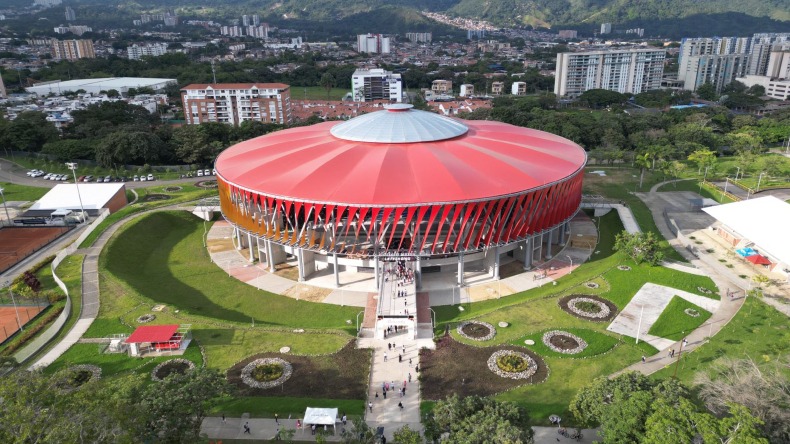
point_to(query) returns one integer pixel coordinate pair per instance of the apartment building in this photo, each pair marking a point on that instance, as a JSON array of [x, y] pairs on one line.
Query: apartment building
[[419, 37], [376, 84], [234, 103], [442, 87], [518, 88], [151, 50], [467, 90], [717, 69], [373, 44], [497, 88], [568, 34], [691, 47], [627, 71], [72, 49]]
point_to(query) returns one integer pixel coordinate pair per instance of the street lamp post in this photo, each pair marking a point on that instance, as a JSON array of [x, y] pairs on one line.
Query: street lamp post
[[4, 206], [737, 172], [760, 179], [73, 167], [570, 259]]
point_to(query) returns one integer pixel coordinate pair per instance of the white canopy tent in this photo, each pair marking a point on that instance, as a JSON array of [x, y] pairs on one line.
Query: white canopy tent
[[763, 221], [320, 416]]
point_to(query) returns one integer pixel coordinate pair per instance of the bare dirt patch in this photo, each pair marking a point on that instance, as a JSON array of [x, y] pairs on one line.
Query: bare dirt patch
[[564, 342], [456, 368], [308, 293], [343, 375], [155, 197]]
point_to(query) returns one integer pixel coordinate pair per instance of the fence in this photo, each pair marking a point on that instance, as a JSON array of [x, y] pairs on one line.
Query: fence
[[32, 348]]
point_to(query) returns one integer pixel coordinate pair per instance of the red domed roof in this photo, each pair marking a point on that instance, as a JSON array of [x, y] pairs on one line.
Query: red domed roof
[[310, 164]]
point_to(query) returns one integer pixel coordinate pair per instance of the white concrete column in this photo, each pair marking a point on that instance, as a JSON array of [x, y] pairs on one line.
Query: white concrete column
[[300, 264], [461, 269], [418, 274], [562, 235], [249, 245], [529, 251], [377, 272], [270, 256], [337, 271], [496, 262]]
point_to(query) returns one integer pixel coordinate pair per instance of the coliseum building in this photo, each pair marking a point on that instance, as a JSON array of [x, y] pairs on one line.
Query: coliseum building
[[401, 185]]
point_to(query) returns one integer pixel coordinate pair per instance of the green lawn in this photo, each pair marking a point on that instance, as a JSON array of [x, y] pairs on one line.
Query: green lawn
[[116, 363], [317, 93], [14, 192], [187, 193], [674, 323], [161, 257], [597, 343], [758, 331]]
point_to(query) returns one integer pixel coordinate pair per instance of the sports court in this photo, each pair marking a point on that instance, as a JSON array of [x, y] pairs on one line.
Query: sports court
[[8, 318], [17, 243]]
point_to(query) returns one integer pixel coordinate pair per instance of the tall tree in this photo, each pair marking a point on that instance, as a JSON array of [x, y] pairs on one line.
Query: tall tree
[[474, 419]]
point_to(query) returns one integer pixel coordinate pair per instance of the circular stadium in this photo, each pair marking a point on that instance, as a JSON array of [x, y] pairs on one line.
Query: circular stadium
[[400, 184]]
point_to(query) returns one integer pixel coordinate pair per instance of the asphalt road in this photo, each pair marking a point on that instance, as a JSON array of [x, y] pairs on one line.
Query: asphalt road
[[13, 173]]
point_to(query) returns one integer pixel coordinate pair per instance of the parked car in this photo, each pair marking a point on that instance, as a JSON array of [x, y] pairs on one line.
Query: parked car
[[207, 172], [142, 178], [214, 172], [107, 179], [32, 173], [88, 178], [39, 173], [136, 178], [199, 173], [47, 176], [150, 177]]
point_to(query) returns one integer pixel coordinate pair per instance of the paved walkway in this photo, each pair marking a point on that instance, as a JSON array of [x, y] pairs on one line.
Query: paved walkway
[[728, 306], [266, 429]]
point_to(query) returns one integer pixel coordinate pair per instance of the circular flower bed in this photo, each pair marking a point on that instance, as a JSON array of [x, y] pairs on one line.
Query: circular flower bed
[[207, 184], [172, 189], [77, 375], [155, 197], [564, 342], [266, 372], [591, 285], [624, 268], [691, 312], [512, 364], [146, 318], [172, 366], [589, 308], [704, 290], [476, 330]]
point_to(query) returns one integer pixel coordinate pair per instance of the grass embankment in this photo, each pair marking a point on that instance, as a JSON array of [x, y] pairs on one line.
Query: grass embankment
[[758, 331], [536, 311], [621, 183], [188, 192], [675, 323], [14, 192]]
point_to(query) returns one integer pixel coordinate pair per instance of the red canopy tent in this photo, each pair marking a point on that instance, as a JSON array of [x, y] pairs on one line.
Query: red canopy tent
[[160, 338], [758, 259]]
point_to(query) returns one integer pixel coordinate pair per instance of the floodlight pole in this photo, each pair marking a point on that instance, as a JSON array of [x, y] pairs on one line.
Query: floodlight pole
[[16, 310], [73, 167], [5, 206], [570, 259]]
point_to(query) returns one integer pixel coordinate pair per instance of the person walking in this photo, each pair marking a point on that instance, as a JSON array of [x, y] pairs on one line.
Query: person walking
[[389, 346], [247, 428], [385, 395], [277, 419], [344, 419], [312, 429], [400, 404], [644, 359], [377, 395], [385, 356], [223, 418], [370, 406], [400, 358], [409, 377]]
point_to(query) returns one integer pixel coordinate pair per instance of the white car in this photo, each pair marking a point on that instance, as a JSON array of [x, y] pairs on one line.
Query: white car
[[199, 173], [150, 177], [64, 177], [207, 172], [32, 173], [142, 178], [214, 172], [47, 176], [39, 173], [136, 178]]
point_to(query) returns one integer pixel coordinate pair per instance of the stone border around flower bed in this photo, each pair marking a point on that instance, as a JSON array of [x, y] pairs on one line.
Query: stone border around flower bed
[[190, 366], [563, 302], [604, 312], [246, 373], [692, 312], [550, 334], [532, 366], [624, 268], [488, 337]]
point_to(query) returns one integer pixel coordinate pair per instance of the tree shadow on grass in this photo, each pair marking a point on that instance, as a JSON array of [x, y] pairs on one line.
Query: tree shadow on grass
[[141, 256]]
